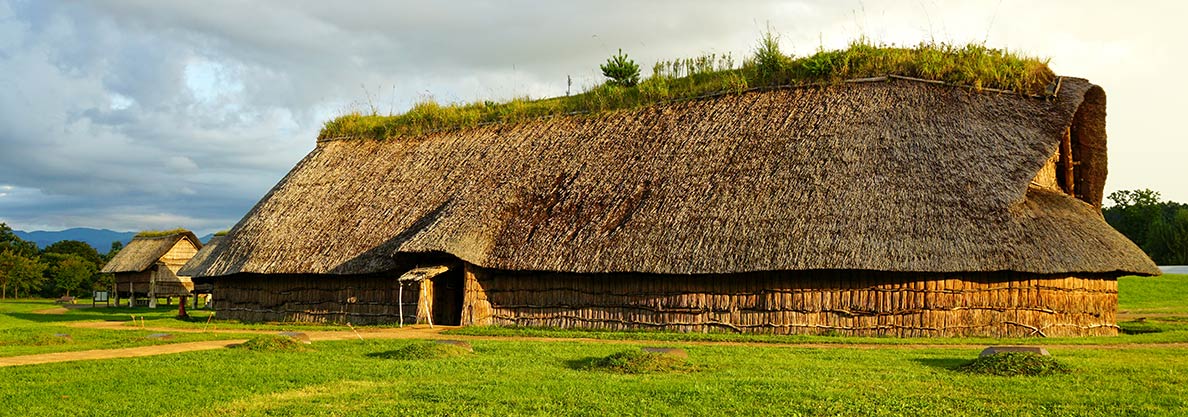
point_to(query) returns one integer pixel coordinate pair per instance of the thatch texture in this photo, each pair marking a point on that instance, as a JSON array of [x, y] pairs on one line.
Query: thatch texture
[[191, 266], [142, 252], [887, 176]]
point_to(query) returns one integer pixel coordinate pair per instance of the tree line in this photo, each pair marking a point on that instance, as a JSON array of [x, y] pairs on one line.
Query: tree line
[[58, 269], [1159, 227]]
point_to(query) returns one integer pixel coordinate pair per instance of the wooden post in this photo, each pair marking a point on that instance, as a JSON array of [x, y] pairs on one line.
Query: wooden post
[[181, 307], [152, 292]]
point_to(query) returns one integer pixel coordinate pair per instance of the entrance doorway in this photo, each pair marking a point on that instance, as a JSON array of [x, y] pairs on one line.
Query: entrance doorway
[[447, 297]]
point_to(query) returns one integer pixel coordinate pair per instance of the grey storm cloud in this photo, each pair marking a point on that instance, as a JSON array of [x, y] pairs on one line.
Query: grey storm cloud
[[133, 114], [145, 114]]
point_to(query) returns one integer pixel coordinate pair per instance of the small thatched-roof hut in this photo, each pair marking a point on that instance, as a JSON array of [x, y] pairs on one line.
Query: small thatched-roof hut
[[888, 207], [148, 266]]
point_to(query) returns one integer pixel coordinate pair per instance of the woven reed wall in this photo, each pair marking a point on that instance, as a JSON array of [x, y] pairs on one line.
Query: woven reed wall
[[843, 302], [320, 299]]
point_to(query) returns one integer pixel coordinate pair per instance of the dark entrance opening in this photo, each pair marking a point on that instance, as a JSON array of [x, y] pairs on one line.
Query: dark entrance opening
[[447, 298]]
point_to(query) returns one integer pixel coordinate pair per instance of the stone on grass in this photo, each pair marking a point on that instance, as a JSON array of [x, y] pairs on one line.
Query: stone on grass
[[677, 352], [63, 335], [298, 336], [159, 336], [992, 350]]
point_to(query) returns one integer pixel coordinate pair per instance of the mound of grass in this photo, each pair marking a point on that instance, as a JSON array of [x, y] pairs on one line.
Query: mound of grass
[[639, 362], [160, 233], [1015, 364], [273, 343], [423, 350], [973, 65]]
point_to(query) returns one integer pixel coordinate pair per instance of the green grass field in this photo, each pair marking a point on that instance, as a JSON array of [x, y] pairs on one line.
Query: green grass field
[[1153, 295], [1143, 374], [25, 332]]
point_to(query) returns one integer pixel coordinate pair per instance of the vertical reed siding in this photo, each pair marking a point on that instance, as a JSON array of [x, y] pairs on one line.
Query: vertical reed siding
[[813, 302], [368, 299]]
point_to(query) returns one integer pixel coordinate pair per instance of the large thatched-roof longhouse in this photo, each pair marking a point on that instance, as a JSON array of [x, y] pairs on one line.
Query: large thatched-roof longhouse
[[148, 266], [888, 207]]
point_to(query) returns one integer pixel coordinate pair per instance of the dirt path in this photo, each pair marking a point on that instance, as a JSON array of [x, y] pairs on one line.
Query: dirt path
[[116, 353], [424, 332]]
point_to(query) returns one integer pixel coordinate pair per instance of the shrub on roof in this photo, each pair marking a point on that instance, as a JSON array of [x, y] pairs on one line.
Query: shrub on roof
[[621, 71]]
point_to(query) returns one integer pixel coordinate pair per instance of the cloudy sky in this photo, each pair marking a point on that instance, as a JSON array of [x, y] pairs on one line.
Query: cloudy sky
[[133, 115]]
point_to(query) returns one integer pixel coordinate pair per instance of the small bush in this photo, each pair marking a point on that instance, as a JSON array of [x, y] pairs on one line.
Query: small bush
[[423, 350], [639, 362], [1015, 364], [621, 70], [273, 343], [769, 63]]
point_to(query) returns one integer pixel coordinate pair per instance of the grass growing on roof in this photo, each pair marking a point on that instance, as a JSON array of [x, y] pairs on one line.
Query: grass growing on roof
[[161, 233], [972, 65], [221, 233]]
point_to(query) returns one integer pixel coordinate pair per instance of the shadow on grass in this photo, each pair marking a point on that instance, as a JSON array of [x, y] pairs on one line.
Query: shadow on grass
[[947, 364], [582, 364]]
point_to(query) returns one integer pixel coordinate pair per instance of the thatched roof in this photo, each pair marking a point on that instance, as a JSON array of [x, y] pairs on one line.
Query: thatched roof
[[143, 251], [890, 176], [192, 266]]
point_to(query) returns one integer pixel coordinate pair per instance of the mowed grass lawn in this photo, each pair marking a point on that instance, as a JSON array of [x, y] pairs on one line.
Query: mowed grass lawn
[[1153, 295], [539, 378], [532, 377]]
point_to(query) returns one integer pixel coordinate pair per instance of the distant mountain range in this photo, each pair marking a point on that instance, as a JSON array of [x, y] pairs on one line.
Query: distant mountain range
[[100, 239]]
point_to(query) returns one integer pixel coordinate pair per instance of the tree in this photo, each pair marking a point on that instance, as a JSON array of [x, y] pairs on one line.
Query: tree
[[77, 248], [621, 70], [115, 249], [1167, 239], [10, 241], [1133, 212], [71, 273], [19, 273], [1159, 227]]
